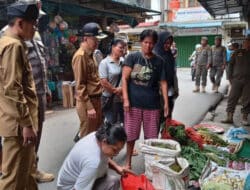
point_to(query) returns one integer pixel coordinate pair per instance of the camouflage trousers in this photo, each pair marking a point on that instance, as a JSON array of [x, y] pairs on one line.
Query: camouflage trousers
[[201, 73]]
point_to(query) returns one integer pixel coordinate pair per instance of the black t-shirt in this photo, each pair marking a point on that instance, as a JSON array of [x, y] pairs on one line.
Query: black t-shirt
[[143, 86]]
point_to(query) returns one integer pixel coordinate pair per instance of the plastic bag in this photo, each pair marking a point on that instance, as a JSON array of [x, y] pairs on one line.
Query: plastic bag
[[172, 148], [132, 182], [233, 178], [153, 153], [166, 178]]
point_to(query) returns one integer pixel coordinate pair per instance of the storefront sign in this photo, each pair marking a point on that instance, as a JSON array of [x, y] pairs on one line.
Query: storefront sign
[[191, 14], [196, 31]]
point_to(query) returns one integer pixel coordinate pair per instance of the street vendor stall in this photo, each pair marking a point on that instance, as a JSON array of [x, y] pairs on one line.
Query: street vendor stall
[[213, 161]]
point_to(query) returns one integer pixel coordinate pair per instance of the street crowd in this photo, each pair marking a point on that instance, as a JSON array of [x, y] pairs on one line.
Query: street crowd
[[115, 96]]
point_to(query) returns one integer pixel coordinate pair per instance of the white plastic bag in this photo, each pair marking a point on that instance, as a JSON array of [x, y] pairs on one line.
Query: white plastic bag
[[153, 153], [147, 148], [164, 178]]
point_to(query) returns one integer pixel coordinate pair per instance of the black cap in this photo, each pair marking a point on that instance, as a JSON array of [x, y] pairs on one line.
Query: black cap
[[92, 29], [23, 10]]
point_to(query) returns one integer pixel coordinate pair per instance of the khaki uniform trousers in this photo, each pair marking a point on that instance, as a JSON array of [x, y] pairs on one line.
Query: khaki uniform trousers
[[88, 125], [17, 165], [201, 73], [216, 74], [240, 88]]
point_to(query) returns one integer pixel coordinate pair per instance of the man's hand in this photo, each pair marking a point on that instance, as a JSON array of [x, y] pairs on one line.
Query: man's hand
[[29, 136], [91, 114], [126, 105]]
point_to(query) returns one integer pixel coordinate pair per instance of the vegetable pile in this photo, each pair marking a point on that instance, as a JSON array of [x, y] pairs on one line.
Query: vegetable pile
[[163, 145], [196, 159], [211, 138]]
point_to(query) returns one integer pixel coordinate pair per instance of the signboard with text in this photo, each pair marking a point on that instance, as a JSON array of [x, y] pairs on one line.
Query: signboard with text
[[197, 31], [191, 14]]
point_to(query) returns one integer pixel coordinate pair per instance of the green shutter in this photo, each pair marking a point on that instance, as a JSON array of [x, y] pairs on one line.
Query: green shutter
[[186, 46]]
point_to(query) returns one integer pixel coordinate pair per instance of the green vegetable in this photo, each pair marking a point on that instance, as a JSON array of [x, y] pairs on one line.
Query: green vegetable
[[163, 145], [179, 134], [211, 138], [196, 159], [220, 153], [216, 159], [175, 167]]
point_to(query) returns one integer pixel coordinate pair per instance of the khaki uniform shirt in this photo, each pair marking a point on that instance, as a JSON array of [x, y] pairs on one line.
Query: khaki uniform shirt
[[86, 76], [239, 65], [219, 56], [203, 56], [18, 100]]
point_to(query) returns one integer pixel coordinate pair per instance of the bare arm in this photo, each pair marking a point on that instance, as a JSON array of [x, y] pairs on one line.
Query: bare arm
[[126, 71], [119, 169], [109, 87], [164, 89]]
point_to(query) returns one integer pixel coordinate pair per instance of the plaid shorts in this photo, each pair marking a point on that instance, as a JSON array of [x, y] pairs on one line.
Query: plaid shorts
[[135, 117]]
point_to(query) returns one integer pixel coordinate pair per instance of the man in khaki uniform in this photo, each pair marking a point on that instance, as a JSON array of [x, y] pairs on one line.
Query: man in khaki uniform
[[202, 63], [239, 77], [18, 100], [218, 63], [88, 86]]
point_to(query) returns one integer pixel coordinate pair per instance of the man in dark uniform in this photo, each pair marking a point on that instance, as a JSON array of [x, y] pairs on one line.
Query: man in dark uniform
[[218, 63], [239, 77], [18, 100], [202, 64]]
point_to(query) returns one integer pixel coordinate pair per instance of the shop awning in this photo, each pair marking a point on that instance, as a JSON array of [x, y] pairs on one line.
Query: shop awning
[[106, 8], [69, 9], [227, 7], [190, 25]]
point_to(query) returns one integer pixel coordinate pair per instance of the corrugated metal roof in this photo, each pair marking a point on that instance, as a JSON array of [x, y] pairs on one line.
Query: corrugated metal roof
[[219, 7]]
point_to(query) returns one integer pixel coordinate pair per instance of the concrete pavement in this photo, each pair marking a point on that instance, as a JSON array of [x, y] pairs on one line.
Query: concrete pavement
[[60, 126]]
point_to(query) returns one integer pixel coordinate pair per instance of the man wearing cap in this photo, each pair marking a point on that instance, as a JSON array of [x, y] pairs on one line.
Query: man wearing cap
[[88, 86], [239, 77], [218, 63], [36, 57], [202, 62], [18, 100]]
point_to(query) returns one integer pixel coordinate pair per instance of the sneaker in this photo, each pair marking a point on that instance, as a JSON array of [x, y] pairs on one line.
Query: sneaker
[[43, 177]]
